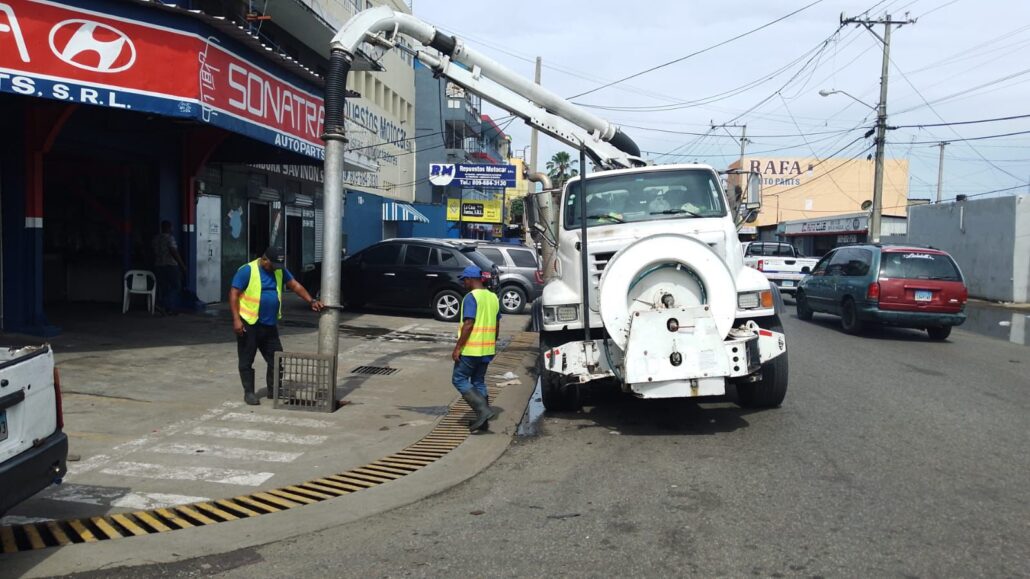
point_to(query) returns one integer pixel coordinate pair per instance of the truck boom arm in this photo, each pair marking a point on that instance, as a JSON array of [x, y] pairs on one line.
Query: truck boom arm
[[606, 145]]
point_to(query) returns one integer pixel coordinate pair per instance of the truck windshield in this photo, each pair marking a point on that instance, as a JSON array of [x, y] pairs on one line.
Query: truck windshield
[[650, 196]]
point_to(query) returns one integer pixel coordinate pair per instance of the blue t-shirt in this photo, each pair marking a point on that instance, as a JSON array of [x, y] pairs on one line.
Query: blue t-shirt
[[268, 312], [468, 311]]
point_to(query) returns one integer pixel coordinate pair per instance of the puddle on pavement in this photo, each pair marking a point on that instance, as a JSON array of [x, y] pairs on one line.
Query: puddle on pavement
[[533, 419], [1000, 323]]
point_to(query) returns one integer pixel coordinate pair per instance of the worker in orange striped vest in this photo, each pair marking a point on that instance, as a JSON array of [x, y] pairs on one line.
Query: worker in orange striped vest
[[480, 320], [256, 301]]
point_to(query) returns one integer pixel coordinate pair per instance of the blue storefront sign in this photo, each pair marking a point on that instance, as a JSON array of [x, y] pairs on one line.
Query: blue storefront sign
[[467, 175]]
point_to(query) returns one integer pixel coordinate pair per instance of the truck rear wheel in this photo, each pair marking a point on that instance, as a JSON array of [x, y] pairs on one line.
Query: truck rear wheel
[[771, 389]]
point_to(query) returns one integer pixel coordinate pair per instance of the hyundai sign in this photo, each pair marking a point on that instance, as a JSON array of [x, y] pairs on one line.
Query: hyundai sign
[[463, 175]]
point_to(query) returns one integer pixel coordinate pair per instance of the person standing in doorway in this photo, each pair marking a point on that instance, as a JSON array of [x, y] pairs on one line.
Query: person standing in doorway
[[169, 268], [480, 320], [256, 298]]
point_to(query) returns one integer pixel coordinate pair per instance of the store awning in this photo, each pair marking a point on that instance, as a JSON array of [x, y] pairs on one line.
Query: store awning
[[397, 211]]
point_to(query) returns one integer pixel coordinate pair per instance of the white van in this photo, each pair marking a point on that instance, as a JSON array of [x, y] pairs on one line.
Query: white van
[[33, 448]]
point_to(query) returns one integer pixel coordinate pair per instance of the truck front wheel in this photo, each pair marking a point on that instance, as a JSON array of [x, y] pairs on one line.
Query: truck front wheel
[[770, 390], [558, 397]]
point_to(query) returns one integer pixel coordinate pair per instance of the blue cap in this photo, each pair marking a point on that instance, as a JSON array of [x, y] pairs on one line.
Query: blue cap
[[471, 272]]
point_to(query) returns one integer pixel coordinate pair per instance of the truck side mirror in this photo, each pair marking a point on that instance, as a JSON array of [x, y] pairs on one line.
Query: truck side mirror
[[754, 192], [752, 216]]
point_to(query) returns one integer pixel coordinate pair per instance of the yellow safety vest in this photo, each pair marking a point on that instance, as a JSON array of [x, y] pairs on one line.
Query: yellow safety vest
[[250, 300], [483, 341]]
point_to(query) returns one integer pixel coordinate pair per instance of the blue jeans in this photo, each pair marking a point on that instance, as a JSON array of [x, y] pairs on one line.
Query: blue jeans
[[470, 373]]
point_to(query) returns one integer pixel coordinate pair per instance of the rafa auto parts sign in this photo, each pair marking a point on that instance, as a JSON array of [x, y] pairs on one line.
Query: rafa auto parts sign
[[130, 57]]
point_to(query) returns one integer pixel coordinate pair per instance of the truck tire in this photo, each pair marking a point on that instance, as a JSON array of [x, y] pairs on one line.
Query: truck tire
[[558, 397], [770, 391], [686, 269]]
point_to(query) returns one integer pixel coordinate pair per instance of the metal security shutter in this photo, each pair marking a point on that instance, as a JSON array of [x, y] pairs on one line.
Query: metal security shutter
[[319, 228]]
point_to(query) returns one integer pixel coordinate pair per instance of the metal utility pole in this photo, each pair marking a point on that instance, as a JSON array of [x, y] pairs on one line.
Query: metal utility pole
[[533, 136], [881, 112], [734, 199], [940, 170]]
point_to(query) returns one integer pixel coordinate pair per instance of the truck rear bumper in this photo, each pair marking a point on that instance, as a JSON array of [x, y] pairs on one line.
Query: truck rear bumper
[[33, 470]]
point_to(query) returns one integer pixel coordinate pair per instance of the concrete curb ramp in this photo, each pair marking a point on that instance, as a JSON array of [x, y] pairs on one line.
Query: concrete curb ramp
[[448, 434]]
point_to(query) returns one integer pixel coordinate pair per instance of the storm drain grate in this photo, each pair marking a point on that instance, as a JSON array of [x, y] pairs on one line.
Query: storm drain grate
[[374, 370]]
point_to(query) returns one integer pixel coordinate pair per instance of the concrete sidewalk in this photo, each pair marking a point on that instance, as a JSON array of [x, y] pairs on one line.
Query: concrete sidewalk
[[153, 407]]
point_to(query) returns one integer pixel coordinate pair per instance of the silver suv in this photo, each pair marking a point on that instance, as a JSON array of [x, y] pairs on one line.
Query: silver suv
[[521, 281]]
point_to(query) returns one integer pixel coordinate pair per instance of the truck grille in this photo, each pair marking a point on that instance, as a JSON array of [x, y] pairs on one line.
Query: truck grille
[[601, 259]]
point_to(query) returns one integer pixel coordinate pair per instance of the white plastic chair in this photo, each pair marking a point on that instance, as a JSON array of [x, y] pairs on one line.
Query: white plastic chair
[[140, 281]]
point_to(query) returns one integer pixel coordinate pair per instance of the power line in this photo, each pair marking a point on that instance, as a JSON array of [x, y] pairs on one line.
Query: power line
[[695, 53], [998, 136], [978, 121]]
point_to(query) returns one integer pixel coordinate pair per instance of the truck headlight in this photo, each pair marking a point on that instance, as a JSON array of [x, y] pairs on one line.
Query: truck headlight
[[755, 300], [568, 313]]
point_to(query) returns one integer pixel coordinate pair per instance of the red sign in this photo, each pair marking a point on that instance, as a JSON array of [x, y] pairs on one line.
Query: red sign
[[99, 55]]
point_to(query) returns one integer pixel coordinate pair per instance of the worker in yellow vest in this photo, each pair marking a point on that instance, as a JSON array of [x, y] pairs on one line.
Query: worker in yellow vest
[[255, 299], [480, 321]]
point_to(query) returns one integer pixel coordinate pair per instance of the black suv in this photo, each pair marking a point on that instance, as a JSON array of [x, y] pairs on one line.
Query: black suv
[[413, 273]]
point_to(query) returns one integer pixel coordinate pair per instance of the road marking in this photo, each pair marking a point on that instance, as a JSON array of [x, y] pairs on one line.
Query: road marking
[[191, 473], [126, 448], [283, 420], [229, 452], [261, 435], [115, 497]]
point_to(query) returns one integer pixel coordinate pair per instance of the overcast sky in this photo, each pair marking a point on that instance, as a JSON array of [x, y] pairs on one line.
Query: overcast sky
[[957, 56]]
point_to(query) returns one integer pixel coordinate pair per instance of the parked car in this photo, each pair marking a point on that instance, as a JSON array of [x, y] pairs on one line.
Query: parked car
[[910, 287], [780, 262], [415, 273], [521, 280], [33, 447]]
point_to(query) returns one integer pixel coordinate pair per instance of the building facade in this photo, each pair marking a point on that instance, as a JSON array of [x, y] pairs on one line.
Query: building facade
[[124, 114]]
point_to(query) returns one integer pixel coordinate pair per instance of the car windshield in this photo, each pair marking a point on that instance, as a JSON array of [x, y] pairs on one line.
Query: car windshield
[[650, 196], [918, 265]]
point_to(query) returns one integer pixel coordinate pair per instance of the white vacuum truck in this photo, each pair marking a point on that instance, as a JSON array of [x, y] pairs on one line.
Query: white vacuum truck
[[648, 285]]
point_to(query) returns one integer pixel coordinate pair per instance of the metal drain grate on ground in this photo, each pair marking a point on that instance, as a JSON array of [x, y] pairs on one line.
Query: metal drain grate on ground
[[375, 370]]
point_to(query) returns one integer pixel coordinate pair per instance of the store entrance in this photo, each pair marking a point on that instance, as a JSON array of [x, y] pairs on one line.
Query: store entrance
[[99, 218], [259, 230]]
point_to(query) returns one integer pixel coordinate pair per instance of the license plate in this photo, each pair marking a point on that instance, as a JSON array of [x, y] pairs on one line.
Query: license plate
[[924, 295], [3, 425], [788, 283]]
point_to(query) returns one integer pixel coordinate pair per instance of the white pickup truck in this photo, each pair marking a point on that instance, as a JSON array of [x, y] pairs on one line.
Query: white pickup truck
[[33, 448], [780, 262]]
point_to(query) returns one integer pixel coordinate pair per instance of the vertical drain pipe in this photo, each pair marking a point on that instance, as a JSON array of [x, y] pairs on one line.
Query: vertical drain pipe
[[335, 149], [546, 215], [584, 257]]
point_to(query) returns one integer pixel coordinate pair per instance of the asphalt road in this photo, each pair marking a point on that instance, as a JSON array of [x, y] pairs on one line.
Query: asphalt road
[[892, 456]]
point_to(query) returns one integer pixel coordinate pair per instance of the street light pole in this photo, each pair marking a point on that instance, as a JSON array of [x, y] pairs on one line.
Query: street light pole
[[940, 170]]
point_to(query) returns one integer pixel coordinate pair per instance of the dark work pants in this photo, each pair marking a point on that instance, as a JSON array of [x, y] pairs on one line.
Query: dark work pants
[[169, 284], [258, 338]]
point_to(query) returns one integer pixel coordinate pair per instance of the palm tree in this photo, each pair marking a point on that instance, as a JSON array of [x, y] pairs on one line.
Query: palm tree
[[561, 167]]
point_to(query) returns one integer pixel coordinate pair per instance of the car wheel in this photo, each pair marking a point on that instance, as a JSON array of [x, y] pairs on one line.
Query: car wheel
[[804, 310], [771, 389], [849, 320], [513, 299], [447, 305], [939, 334]]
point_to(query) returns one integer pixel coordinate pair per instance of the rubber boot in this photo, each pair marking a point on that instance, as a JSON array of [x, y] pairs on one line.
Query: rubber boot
[[247, 377], [481, 408]]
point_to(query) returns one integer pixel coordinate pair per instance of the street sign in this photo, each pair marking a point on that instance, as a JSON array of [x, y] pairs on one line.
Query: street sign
[[475, 211], [467, 175]]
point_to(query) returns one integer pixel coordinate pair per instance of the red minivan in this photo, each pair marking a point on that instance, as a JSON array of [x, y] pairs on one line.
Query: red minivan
[[911, 287]]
